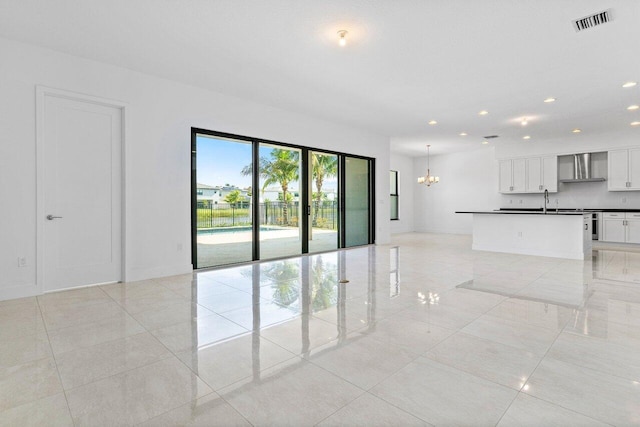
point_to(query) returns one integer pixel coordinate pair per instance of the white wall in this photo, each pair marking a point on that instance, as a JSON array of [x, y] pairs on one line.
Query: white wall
[[406, 183], [159, 118], [468, 182]]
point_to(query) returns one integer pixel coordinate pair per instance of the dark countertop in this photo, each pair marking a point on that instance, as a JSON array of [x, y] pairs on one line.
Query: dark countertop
[[527, 212], [569, 210]]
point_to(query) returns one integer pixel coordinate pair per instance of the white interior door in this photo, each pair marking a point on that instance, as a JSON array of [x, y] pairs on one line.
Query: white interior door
[[80, 208]]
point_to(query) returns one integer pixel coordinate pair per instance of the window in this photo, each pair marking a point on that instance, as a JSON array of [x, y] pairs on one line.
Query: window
[[393, 188]]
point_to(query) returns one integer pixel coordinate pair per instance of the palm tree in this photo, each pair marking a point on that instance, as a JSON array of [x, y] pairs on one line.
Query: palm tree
[[281, 167], [324, 166], [285, 281], [323, 286]]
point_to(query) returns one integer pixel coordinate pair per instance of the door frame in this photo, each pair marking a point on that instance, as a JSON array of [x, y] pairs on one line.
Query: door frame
[[371, 196], [305, 174], [42, 92]]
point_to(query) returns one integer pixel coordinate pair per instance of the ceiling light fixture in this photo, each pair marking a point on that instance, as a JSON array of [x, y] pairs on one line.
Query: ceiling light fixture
[[485, 142], [576, 130], [463, 134], [635, 123], [629, 84], [483, 112], [428, 179], [526, 137], [433, 122], [548, 100], [633, 107], [524, 121], [343, 37]]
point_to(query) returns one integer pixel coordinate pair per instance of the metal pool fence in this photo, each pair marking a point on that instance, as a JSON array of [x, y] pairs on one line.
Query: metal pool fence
[[324, 214]]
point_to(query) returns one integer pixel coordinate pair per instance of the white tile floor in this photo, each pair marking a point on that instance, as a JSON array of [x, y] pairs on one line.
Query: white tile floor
[[426, 332]]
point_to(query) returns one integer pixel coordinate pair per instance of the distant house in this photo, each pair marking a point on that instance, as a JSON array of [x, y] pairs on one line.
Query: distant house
[[216, 194], [274, 194], [207, 194]]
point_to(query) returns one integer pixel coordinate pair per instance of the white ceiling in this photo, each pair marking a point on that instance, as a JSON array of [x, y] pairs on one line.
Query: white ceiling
[[406, 61]]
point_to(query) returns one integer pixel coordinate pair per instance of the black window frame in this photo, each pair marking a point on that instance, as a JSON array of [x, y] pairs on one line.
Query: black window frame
[[394, 193]]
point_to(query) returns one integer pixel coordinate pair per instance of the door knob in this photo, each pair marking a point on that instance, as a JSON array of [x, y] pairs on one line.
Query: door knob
[[51, 217]]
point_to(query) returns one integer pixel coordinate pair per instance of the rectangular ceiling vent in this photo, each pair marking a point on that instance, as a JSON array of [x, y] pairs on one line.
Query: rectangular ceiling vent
[[593, 20]]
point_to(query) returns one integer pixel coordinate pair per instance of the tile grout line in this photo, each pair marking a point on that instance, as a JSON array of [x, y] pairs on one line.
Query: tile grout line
[[53, 356], [531, 374]]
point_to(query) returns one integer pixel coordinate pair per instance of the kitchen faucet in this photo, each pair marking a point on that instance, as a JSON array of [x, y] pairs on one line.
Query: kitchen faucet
[[546, 200]]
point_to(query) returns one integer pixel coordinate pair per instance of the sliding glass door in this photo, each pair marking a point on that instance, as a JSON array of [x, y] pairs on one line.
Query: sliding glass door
[[223, 220], [324, 198], [357, 201], [256, 200], [280, 197]]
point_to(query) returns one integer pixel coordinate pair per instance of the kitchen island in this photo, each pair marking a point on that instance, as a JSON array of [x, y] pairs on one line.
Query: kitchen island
[[551, 234]]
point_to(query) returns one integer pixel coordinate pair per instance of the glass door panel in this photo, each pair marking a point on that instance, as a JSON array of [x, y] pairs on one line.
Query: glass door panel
[[223, 201], [324, 219], [280, 211], [356, 201]]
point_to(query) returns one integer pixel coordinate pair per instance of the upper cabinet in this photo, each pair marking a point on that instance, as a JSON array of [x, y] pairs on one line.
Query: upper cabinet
[[624, 170], [542, 174], [529, 175], [513, 176]]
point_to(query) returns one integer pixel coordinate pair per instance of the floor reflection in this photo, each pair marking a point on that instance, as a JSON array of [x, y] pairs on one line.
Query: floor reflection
[[303, 305], [426, 330]]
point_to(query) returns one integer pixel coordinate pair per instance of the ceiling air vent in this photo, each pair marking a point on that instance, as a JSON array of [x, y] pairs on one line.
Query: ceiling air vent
[[593, 20], [490, 136]]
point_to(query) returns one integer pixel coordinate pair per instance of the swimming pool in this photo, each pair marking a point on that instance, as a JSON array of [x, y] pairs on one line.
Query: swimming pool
[[220, 230]]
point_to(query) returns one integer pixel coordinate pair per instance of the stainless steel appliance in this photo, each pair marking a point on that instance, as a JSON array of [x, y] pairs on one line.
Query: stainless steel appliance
[[595, 222]]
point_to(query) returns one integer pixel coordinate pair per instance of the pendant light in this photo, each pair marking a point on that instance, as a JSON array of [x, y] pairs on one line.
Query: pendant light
[[428, 179]]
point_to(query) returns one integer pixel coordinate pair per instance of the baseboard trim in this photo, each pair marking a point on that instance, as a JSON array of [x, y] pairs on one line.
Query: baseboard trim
[[136, 274]]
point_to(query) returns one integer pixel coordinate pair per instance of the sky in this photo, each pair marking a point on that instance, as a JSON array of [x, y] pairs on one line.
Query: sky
[[220, 162]]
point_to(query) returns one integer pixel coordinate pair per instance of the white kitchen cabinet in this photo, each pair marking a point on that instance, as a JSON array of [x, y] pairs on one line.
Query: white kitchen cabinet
[[506, 176], [550, 174], [621, 227], [613, 230], [534, 175], [529, 175], [624, 170], [633, 227], [519, 175], [513, 176], [542, 174]]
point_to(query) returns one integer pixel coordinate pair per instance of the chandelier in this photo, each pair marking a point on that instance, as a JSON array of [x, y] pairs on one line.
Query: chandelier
[[428, 179]]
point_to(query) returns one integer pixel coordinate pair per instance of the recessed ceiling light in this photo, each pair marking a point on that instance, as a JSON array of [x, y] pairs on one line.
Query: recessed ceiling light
[[633, 107], [483, 112], [433, 122], [629, 84], [343, 37], [463, 134], [635, 123], [524, 121], [526, 137], [576, 131], [548, 100], [485, 142]]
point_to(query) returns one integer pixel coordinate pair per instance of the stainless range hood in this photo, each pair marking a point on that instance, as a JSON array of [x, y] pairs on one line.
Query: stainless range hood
[[582, 169]]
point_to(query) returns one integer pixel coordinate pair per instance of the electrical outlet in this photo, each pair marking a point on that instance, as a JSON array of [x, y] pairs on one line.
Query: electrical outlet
[[520, 201], [510, 201], [624, 200], [519, 233], [22, 261]]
